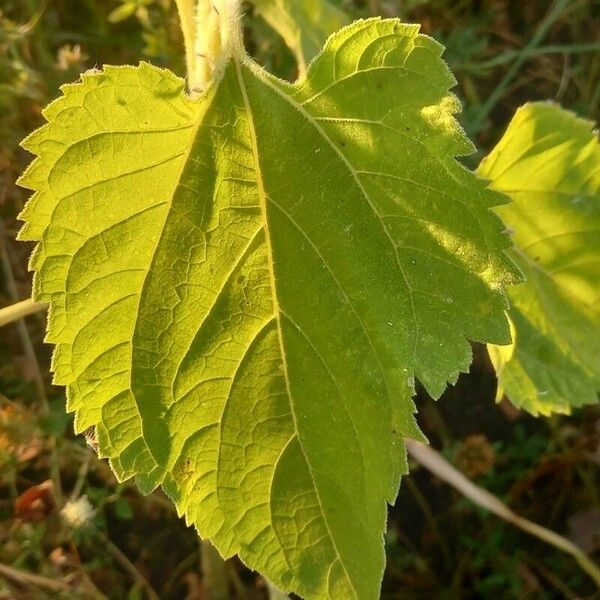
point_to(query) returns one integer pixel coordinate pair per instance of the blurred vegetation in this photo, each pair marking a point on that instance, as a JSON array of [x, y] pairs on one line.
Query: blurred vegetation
[[110, 542]]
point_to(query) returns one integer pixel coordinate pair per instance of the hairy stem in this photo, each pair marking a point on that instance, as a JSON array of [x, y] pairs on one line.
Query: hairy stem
[[187, 18], [435, 463], [212, 34]]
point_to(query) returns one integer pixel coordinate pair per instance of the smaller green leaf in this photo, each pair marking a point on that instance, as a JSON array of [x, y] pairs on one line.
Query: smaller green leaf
[[122, 12], [304, 25], [549, 163], [123, 509]]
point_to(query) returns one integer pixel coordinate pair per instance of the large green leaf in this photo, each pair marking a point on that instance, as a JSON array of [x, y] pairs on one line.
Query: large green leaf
[[243, 288], [549, 163], [304, 25]]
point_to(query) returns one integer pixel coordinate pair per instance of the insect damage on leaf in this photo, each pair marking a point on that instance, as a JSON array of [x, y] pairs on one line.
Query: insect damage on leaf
[[244, 287]]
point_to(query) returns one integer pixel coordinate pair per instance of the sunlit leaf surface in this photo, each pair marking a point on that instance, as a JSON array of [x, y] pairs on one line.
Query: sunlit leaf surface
[[244, 287], [549, 163]]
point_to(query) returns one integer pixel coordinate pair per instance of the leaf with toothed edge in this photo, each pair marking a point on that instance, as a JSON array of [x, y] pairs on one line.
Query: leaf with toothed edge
[[244, 287], [548, 161]]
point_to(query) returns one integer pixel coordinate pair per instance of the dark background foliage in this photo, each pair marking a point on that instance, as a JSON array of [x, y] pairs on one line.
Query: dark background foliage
[[503, 52]]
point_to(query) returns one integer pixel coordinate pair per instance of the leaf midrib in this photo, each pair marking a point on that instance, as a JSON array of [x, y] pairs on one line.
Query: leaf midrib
[[277, 310], [354, 174]]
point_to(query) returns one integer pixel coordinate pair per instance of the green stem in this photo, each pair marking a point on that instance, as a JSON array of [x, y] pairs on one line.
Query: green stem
[[510, 55], [487, 107]]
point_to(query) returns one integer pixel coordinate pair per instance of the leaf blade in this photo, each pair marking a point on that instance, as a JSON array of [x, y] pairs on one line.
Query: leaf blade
[[256, 354], [547, 162]]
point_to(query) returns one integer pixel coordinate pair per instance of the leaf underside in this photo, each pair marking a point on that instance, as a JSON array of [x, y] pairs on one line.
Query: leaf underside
[[548, 161], [244, 287]]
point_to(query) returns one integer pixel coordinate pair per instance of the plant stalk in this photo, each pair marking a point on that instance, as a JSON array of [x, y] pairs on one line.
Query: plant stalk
[[275, 593], [11, 285], [127, 565], [214, 572], [187, 18], [553, 14], [18, 310], [212, 34], [435, 463], [24, 578]]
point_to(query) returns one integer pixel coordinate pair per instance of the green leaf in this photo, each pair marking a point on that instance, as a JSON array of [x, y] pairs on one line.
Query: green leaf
[[548, 161], [122, 12], [304, 25], [244, 287], [123, 509]]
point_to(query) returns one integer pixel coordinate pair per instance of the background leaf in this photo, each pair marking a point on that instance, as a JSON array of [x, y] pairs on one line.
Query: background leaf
[[243, 288], [548, 161], [304, 25]]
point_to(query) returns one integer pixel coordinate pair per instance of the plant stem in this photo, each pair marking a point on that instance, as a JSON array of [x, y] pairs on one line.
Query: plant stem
[[435, 463], [187, 18], [413, 488], [275, 593], [18, 310], [212, 34], [214, 572], [93, 592], [215, 577], [510, 55], [552, 15], [29, 579], [127, 565], [81, 475], [11, 285]]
